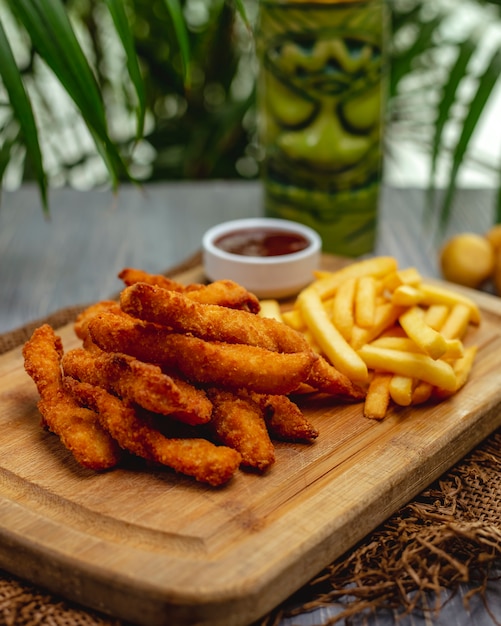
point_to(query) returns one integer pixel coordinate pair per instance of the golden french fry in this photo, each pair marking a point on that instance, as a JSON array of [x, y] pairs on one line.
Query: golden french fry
[[406, 295], [270, 308], [385, 317], [327, 283], [462, 368], [437, 294], [330, 340], [430, 340], [454, 349], [312, 341], [378, 396], [420, 366], [392, 331], [294, 319], [365, 301], [422, 392], [407, 332], [343, 307], [402, 343], [436, 314], [401, 388], [457, 322], [408, 276]]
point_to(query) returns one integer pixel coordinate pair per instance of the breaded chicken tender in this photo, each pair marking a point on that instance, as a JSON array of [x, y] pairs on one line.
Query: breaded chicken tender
[[238, 422], [284, 419], [137, 382], [326, 378], [82, 319], [207, 362], [208, 321], [78, 428], [223, 292], [131, 275], [194, 457]]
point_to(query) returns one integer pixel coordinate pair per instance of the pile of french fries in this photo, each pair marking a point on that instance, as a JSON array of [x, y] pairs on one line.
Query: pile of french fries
[[388, 330]]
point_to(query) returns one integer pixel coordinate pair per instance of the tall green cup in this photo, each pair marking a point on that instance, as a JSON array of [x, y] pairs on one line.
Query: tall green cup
[[320, 103]]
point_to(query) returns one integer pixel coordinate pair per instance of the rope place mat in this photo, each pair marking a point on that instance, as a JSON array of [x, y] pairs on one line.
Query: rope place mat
[[448, 535]]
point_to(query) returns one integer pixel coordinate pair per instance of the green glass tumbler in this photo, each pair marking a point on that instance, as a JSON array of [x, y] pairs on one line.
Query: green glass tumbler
[[320, 95]]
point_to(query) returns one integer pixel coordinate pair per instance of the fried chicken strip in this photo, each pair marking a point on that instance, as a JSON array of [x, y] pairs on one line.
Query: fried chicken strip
[[77, 427], [325, 378], [82, 320], [194, 457], [137, 382], [208, 321], [238, 422], [207, 362], [284, 419], [223, 292]]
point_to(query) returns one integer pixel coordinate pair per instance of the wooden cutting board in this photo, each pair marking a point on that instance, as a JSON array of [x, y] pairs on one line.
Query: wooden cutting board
[[156, 548]]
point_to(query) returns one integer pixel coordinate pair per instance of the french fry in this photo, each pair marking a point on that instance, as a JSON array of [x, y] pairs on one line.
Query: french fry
[[422, 392], [437, 294], [378, 396], [456, 322], [408, 276], [385, 317], [330, 340], [436, 314], [402, 343], [343, 307], [430, 340], [462, 368], [401, 388], [294, 319], [421, 366], [270, 308], [406, 295], [408, 333], [365, 301], [455, 348], [328, 282]]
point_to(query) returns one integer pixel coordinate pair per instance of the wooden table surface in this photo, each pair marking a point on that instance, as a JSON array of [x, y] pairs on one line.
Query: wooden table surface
[[73, 257]]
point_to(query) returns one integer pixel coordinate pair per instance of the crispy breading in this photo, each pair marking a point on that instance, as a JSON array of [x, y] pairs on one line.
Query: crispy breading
[[82, 319], [284, 419], [207, 362], [132, 275], [223, 292], [208, 321], [196, 457], [326, 378], [78, 428], [137, 382], [238, 422]]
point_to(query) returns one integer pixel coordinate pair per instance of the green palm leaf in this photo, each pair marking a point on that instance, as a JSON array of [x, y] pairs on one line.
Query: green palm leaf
[[23, 113], [117, 11], [179, 25], [486, 83], [403, 62], [448, 99], [53, 37]]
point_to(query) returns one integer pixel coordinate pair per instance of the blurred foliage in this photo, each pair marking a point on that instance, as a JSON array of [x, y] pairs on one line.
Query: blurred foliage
[[164, 89]]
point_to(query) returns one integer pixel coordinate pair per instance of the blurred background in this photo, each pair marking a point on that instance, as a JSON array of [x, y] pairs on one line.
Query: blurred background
[[177, 84]]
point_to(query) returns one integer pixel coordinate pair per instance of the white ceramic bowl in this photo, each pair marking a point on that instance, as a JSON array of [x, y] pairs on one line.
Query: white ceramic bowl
[[278, 276]]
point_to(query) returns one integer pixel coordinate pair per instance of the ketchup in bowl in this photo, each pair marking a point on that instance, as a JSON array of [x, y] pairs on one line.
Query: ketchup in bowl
[[262, 242], [273, 258]]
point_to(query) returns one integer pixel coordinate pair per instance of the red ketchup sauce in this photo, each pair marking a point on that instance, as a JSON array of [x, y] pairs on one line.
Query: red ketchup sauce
[[261, 242]]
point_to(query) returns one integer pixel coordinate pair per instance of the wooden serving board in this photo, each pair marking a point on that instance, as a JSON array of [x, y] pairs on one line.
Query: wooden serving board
[[156, 548]]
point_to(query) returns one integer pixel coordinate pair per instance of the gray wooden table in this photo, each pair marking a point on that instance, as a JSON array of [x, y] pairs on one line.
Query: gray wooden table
[[74, 257]]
